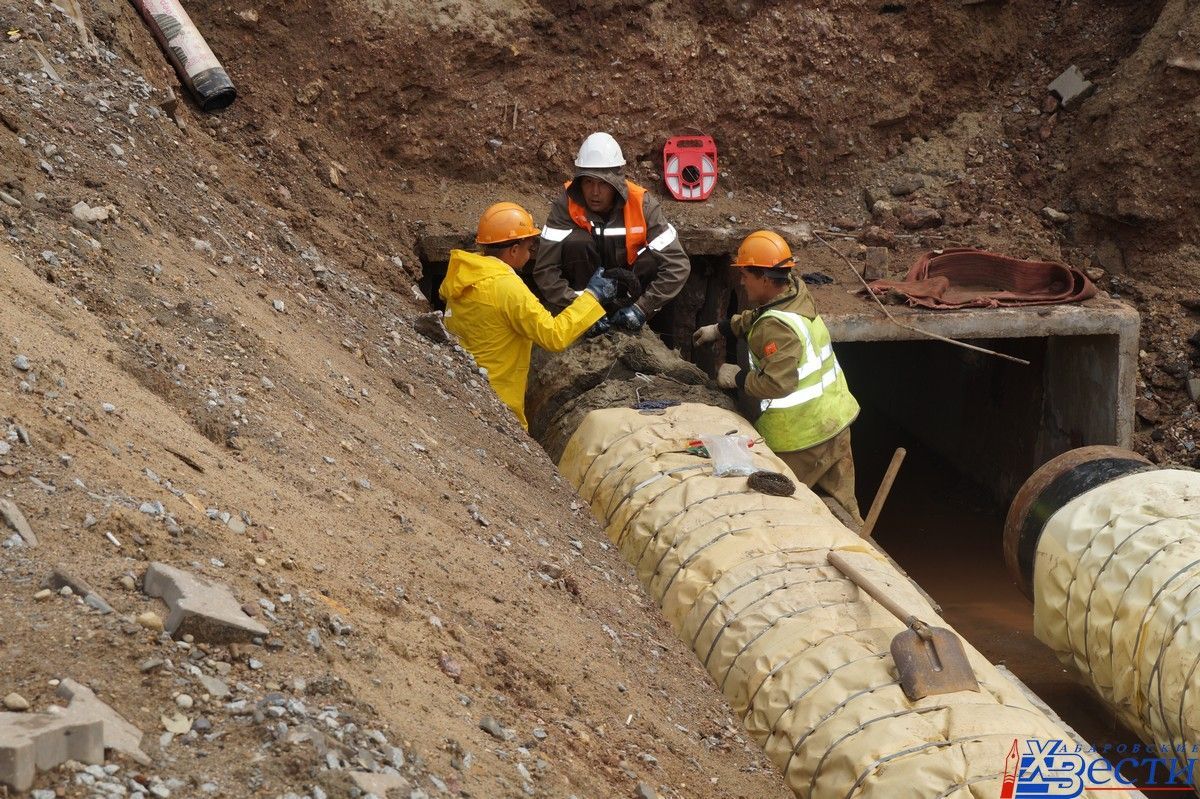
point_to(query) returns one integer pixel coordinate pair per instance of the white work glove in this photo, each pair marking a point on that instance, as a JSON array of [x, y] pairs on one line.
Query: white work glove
[[706, 335], [727, 375]]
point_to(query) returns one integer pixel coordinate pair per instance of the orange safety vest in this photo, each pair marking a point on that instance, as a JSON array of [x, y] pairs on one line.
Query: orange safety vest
[[635, 218]]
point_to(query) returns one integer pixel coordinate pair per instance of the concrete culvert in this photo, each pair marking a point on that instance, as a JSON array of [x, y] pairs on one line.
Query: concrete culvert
[[1108, 546], [743, 577]]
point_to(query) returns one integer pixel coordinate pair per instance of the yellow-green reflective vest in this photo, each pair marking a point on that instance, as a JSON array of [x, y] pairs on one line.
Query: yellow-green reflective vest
[[821, 406]]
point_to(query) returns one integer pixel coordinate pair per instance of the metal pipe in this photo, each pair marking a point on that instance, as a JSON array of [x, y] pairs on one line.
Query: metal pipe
[[194, 61]]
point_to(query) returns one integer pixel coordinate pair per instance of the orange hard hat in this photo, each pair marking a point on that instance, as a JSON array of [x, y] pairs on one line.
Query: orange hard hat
[[505, 222], [766, 249]]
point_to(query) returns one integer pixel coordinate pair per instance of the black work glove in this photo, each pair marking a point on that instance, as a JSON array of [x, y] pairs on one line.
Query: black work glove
[[629, 318], [601, 287], [600, 328]]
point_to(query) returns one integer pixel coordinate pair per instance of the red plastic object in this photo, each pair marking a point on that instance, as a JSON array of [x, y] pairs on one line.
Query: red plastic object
[[690, 166]]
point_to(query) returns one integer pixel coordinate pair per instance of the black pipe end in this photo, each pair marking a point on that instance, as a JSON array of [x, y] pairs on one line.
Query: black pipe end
[[213, 89], [1056, 483]]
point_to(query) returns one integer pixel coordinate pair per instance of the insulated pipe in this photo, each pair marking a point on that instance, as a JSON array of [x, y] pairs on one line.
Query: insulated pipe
[[198, 69], [1108, 546], [801, 655]]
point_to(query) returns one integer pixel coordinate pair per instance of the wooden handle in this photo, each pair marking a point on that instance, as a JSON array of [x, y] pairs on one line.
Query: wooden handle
[[859, 578], [881, 495]]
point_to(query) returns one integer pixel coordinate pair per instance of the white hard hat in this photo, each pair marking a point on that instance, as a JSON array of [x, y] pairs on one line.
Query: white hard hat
[[599, 151]]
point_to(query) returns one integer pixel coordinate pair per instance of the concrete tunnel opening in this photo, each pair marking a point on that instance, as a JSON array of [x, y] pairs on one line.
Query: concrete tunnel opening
[[975, 427]]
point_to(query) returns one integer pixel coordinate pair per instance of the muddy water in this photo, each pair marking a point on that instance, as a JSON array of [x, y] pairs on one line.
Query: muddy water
[[942, 531]]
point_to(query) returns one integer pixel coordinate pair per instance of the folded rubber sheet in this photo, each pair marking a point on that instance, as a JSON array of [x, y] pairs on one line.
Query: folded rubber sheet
[[1117, 596], [965, 278], [802, 656]]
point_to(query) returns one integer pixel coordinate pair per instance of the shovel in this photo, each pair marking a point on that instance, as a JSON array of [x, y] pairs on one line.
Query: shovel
[[929, 660]]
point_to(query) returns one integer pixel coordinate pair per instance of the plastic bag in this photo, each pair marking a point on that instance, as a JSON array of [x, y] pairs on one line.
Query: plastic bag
[[730, 455]]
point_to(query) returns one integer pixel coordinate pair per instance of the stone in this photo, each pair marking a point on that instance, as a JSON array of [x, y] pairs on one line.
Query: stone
[[176, 723], [1193, 389], [494, 729], [151, 621], [21, 363], [61, 578], [431, 327], [16, 520], [874, 194], [918, 217], [644, 791], [1056, 216], [1185, 64], [86, 213], [117, 734], [875, 236], [200, 607], [876, 265], [8, 199], [30, 742], [185, 701], [16, 703], [215, 688], [907, 185], [1071, 85], [379, 784], [1148, 409]]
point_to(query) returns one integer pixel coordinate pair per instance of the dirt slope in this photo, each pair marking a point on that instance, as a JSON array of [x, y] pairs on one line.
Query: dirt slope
[[419, 563]]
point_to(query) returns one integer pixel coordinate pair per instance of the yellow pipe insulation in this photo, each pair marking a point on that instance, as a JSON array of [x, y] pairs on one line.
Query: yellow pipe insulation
[[800, 654], [1110, 546]]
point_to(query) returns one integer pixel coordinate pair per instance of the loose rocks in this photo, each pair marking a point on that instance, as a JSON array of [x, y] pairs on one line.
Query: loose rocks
[[16, 703]]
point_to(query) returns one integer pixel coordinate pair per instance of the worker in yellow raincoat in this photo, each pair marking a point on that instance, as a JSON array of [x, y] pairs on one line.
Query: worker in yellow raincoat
[[495, 316]]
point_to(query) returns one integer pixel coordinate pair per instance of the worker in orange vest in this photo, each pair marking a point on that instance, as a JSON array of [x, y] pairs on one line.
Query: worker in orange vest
[[601, 219]]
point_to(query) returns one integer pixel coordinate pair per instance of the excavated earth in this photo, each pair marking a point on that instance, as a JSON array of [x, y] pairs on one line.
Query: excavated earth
[[213, 363]]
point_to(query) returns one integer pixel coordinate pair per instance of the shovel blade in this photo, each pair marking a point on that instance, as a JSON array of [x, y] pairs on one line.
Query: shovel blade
[[935, 666]]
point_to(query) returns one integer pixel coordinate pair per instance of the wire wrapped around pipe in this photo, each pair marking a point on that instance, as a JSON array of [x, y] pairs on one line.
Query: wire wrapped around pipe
[[799, 652]]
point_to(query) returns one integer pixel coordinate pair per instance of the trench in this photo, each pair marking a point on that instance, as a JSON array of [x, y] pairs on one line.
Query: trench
[[974, 426], [946, 532]]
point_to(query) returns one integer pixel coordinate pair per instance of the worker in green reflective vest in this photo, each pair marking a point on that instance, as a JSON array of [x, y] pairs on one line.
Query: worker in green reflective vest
[[806, 406]]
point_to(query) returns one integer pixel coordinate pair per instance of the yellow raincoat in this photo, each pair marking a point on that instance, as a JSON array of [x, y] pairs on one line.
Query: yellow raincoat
[[498, 320]]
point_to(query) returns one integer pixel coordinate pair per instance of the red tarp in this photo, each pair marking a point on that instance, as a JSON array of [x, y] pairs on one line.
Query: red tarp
[[964, 278]]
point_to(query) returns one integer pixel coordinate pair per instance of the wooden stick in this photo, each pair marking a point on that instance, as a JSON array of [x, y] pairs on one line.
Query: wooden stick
[[907, 326], [881, 495]]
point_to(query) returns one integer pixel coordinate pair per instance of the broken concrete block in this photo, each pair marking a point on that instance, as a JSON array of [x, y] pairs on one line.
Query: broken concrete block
[[85, 708], [201, 607], [1071, 85], [60, 577], [40, 741], [16, 520]]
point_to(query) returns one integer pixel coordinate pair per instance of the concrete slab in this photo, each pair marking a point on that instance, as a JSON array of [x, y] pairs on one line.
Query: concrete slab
[[32, 742], [85, 708], [201, 607]]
